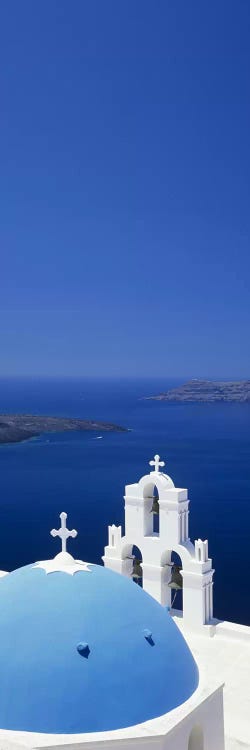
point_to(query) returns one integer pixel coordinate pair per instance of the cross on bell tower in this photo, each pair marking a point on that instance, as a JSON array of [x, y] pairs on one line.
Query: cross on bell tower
[[157, 463], [63, 532]]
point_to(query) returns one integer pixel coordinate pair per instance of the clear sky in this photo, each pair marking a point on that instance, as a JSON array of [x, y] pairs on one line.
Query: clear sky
[[124, 179]]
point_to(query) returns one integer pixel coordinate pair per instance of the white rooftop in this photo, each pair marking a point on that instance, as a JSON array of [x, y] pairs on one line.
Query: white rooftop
[[226, 656]]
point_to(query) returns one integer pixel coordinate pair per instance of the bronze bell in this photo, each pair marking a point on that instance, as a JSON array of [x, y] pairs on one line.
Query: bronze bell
[[155, 506], [137, 569], [176, 578]]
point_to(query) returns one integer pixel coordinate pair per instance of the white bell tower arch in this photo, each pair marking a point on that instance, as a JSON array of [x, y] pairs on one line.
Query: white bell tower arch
[[157, 546]]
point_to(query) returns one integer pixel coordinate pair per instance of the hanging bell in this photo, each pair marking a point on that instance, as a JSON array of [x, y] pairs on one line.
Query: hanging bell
[[176, 578], [137, 569], [155, 506]]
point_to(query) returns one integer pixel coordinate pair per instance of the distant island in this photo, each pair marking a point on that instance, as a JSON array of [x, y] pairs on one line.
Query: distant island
[[207, 391], [17, 427]]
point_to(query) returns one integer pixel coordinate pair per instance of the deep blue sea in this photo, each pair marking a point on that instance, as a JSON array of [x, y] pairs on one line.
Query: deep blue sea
[[206, 448]]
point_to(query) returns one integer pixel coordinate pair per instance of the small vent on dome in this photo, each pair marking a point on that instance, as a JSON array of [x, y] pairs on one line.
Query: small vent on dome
[[148, 636], [83, 649]]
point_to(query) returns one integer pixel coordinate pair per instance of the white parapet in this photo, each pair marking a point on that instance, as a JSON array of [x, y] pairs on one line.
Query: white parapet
[[201, 550]]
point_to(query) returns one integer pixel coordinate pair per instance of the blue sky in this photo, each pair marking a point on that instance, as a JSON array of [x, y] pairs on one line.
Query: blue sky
[[124, 151]]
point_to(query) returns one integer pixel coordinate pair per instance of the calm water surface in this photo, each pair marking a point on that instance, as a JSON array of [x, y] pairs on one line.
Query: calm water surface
[[206, 448]]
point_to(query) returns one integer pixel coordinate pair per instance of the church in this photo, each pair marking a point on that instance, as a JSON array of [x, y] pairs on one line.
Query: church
[[98, 656]]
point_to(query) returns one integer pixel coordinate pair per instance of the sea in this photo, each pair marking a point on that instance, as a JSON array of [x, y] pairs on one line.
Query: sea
[[205, 447]]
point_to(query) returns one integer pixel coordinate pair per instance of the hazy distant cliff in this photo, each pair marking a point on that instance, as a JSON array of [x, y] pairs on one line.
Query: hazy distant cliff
[[207, 391], [17, 427]]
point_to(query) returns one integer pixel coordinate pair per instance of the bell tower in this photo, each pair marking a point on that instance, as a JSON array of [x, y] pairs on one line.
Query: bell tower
[[156, 494]]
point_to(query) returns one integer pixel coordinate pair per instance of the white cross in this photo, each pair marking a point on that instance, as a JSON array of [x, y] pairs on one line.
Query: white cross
[[156, 463], [63, 532]]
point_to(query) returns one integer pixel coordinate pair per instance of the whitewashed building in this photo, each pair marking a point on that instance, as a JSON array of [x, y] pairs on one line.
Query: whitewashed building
[[89, 659], [157, 489]]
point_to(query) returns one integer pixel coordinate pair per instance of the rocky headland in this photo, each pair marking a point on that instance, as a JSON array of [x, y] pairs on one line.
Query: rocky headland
[[207, 391], [17, 427]]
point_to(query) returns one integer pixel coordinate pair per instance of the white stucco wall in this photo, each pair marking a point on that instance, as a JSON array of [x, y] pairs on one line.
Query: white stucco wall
[[156, 547], [168, 732]]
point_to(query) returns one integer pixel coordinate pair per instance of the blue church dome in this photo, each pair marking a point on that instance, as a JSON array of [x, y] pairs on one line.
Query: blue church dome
[[86, 650]]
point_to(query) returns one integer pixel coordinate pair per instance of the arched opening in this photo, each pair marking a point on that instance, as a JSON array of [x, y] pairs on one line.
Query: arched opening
[[176, 582], [196, 739], [151, 511], [155, 510], [137, 572], [133, 555], [171, 561]]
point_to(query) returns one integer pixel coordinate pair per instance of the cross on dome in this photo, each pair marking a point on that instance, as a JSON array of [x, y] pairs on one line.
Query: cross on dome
[[63, 532], [63, 562], [157, 463]]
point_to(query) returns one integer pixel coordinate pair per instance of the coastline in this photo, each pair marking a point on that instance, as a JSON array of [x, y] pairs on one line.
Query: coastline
[[17, 428]]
